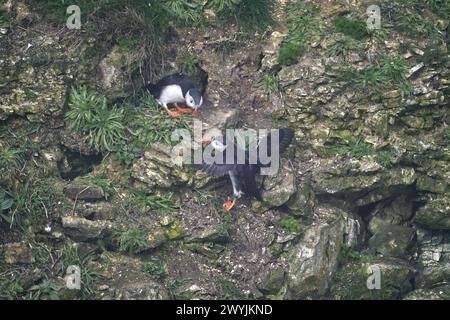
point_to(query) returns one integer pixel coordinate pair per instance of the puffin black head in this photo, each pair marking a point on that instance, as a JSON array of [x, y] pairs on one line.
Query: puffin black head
[[194, 98]]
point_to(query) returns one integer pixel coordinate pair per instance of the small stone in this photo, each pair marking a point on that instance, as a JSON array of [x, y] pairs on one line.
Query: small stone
[[84, 192]]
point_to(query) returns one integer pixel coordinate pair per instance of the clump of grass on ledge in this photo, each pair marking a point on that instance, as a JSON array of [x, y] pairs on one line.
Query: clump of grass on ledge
[[100, 181], [352, 26], [103, 128], [161, 204], [190, 63], [357, 148], [342, 47], [269, 83], [154, 270], [290, 225], [303, 22], [248, 15], [410, 17], [386, 72], [131, 241], [149, 123]]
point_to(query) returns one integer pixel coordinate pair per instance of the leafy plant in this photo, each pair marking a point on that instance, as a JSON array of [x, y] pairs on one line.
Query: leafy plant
[[160, 203], [248, 15], [386, 72], [190, 63], [352, 26], [11, 158], [154, 271], [172, 286], [149, 123], [228, 288], [303, 22], [342, 47], [356, 147], [5, 204], [48, 288], [100, 181], [90, 116], [269, 83], [290, 225], [132, 241], [407, 16], [10, 285]]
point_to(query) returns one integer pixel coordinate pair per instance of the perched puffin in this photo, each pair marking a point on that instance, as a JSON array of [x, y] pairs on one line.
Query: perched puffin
[[242, 176], [177, 88]]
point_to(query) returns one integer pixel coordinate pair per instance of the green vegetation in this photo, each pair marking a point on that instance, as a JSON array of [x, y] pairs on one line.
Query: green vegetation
[[100, 181], [228, 288], [5, 204], [357, 148], [342, 47], [303, 22], [149, 123], [348, 254], [155, 271], [290, 225], [386, 72], [161, 204], [352, 26], [90, 116], [131, 241], [446, 136], [190, 63], [172, 286], [89, 277], [3, 17], [11, 158], [269, 83], [10, 285], [48, 288], [248, 15], [407, 16]]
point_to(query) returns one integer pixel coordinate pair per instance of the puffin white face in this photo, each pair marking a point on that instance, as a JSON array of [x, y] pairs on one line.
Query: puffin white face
[[194, 99]]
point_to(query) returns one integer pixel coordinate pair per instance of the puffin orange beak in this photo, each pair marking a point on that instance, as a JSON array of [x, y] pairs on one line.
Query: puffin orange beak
[[196, 111], [205, 143]]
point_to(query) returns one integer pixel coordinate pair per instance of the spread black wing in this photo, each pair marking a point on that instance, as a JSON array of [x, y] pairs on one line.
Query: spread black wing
[[285, 136]]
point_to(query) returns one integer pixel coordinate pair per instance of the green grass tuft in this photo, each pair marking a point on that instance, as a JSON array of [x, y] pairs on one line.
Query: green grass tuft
[[132, 241], [89, 115], [303, 22], [290, 225], [190, 63], [386, 72], [155, 271], [354, 27], [269, 83]]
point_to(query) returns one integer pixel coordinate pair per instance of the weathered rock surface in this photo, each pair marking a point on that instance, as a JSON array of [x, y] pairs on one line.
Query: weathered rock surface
[[312, 261]]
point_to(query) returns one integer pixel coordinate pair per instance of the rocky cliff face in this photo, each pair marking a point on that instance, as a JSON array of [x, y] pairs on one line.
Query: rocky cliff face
[[363, 191]]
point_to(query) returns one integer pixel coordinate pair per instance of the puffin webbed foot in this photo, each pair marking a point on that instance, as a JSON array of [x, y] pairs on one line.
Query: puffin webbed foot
[[184, 110], [173, 113], [229, 204]]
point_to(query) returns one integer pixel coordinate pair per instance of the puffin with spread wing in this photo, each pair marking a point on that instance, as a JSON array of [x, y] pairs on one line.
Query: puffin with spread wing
[[242, 173]]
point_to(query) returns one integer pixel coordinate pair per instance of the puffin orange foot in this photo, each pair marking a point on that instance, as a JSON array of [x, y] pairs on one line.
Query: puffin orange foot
[[184, 110], [229, 204], [173, 113]]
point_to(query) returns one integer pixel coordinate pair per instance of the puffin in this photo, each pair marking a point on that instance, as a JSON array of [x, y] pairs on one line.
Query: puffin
[[177, 88], [242, 176]]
